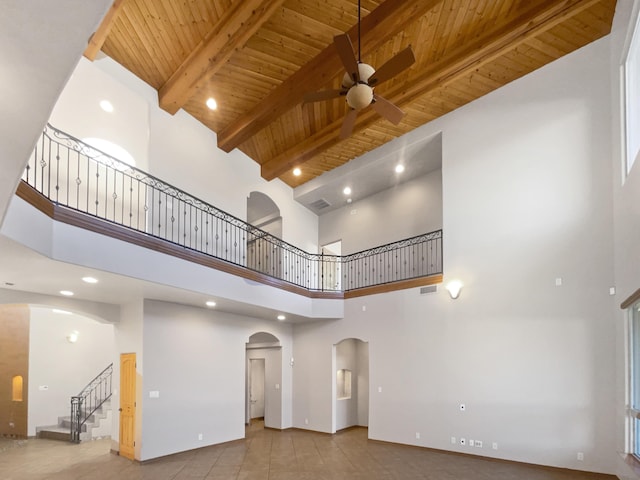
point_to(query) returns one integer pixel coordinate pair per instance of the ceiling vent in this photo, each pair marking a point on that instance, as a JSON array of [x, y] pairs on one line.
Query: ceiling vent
[[319, 204], [428, 289]]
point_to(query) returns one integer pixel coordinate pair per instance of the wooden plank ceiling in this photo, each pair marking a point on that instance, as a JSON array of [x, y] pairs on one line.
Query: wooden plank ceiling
[[258, 58]]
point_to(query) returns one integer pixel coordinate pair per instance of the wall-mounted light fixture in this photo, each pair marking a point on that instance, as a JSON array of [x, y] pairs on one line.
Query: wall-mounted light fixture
[[454, 287], [73, 336]]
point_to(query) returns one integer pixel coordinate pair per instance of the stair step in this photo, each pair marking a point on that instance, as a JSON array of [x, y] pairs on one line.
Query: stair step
[[55, 433]]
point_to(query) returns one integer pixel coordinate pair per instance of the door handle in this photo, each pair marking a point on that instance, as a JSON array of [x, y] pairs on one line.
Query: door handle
[[119, 409]]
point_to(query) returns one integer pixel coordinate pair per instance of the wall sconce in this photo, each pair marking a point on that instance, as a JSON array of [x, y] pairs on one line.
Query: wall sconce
[[454, 287], [73, 336]]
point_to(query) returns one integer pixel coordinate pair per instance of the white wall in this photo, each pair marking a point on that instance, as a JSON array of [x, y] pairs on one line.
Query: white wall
[[626, 191], [195, 359], [59, 369], [527, 199], [362, 383], [172, 148], [38, 51], [410, 209]]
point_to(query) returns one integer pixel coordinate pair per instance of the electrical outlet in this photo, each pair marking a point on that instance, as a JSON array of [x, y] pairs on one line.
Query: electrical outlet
[[479, 443], [306, 421], [580, 456], [494, 445], [471, 443], [453, 440], [463, 441], [199, 436], [417, 435]]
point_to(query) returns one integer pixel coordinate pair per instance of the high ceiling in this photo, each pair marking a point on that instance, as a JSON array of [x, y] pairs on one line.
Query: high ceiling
[[258, 58]]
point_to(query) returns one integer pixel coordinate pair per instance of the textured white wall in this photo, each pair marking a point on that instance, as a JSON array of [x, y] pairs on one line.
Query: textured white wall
[[626, 191], [410, 209], [527, 199], [172, 147], [62, 367], [196, 359]]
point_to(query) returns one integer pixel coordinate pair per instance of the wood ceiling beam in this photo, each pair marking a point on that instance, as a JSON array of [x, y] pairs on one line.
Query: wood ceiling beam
[[100, 35], [461, 62], [230, 34], [387, 20]]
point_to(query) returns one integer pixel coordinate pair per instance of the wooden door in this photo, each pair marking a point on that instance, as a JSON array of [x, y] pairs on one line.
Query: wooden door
[[127, 404]]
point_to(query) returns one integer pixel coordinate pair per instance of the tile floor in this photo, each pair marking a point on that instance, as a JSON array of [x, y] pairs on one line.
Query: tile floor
[[266, 455]]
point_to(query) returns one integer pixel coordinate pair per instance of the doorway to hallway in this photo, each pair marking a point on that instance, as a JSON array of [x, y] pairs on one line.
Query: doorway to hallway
[[256, 389], [351, 384], [263, 380]]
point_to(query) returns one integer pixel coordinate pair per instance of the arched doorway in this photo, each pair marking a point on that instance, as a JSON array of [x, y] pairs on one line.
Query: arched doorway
[[263, 254], [263, 392], [351, 384]]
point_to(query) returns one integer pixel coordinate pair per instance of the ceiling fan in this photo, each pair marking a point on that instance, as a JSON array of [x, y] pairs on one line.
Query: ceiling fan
[[359, 81]]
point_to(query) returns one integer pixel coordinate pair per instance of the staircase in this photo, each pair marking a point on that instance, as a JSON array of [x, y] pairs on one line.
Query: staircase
[[93, 428], [88, 408]]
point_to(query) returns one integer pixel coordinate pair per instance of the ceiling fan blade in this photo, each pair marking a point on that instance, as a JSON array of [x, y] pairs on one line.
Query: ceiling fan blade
[[348, 123], [345, 50], [387, 109], [392, 67], [322, 95]]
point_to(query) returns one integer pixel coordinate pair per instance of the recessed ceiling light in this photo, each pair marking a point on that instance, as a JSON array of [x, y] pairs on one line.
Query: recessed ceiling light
[[297, 171], [349, 200], [281, 317], [61, 312], [89, 280], [347, 190], [66, 293], [211, 103], [399, 168], [210, 303], [106, 105]]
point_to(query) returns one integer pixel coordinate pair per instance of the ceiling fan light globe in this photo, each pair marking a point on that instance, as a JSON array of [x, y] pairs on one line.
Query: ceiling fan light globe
[[359, 96], [347, 81], [364, 70]]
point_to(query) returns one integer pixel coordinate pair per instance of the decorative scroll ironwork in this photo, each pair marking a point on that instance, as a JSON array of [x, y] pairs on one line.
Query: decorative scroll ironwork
[[80, 177], [92, 397]]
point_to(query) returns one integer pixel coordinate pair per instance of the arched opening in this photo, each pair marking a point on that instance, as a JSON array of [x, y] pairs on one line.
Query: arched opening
[[351, 384], [263, 213], [263, 390], [263, 253]]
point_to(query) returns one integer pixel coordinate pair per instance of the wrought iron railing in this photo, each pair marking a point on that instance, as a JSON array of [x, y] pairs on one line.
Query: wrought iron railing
[[92, 397], [75, 175]]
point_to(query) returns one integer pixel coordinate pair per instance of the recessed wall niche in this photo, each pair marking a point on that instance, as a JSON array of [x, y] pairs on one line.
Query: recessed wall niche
[[343, 387], [14, 369], [16, 388]]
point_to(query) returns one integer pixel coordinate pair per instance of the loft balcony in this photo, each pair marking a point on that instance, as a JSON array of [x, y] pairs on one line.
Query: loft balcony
[[79, 185]]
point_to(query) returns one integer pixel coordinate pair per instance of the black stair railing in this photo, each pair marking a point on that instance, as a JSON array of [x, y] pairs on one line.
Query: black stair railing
[[92, 397], [72, 174]]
